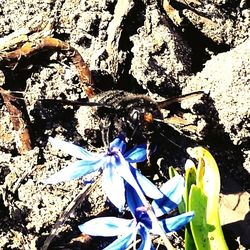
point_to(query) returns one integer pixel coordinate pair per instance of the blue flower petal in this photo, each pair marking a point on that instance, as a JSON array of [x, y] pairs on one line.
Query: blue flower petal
[[74, 171], [146, 243], [121, 243], [72, 149], [144, 219], [148, 188], [175, 223], [136, 154], [132, 199], [119, 143], [169, 188], [123, 169], [113, 185], [107, 226], [136, 207], [173, 191]]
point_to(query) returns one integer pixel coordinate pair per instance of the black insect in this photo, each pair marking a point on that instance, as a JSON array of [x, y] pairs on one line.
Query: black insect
[[123, 112], [110, 113]]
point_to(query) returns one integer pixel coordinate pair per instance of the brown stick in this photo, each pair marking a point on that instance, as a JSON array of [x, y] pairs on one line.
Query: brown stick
[[19, 120], [12, 58], [29, 49], [71, 207]]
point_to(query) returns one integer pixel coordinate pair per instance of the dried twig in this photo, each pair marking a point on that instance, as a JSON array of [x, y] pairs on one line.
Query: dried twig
[[172, 13], [2, 78], [19, 119], [34, 29], [12, 58], [69, 210]]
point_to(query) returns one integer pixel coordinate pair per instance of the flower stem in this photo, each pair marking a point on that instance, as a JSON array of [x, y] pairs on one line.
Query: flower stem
[[165, 239], [155, 221]]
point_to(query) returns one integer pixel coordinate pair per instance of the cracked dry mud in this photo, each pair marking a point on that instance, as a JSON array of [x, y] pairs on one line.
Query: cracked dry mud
[[139, 47]]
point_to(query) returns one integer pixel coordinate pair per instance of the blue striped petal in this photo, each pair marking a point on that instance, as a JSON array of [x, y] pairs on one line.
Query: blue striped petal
[[132, 199], [175, 223], [71, 149], [123, 169], [121, 243], [119, 143], [136, 207], [113, 185], [148, 188], [136, 154], [106, 226], [146, 243], [74, 171], [172, 191]]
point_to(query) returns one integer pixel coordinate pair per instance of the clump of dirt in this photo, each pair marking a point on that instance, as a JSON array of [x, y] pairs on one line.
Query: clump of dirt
[[141, 47], [228, 86]]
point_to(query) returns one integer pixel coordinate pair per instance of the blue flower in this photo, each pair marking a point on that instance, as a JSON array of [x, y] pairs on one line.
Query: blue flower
[[115, 165], [127, 229]]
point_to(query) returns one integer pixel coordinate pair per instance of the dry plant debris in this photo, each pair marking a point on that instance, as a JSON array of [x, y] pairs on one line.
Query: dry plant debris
[[11, 58]]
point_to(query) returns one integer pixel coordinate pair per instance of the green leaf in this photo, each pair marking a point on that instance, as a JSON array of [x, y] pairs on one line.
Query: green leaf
[[172, 172], [198, 225], [204, 201], [200, 173], [189, 240], [190, 176]]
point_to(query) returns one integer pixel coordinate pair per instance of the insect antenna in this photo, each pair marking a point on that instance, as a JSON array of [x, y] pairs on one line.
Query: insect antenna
[[133, 134], [75, 103], [174, 143], [177, 99], [8, 92], [16, 91]]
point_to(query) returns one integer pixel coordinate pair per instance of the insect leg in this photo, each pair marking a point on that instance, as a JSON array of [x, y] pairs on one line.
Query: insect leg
[[104, 127]]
